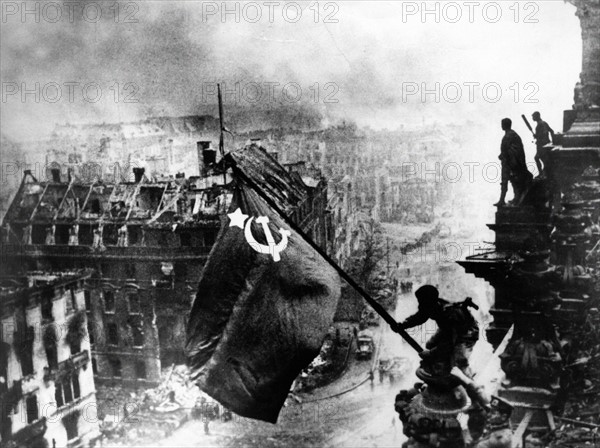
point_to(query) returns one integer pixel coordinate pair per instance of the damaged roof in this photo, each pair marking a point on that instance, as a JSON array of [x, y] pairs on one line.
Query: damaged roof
[[152, 201], [145, 201]]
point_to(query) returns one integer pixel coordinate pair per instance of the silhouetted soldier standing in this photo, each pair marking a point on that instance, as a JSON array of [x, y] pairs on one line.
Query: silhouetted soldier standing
[[543, 131], [514, 167]]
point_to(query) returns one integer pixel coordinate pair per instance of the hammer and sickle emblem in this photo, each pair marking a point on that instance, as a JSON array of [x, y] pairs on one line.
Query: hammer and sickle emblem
[[271, 247]]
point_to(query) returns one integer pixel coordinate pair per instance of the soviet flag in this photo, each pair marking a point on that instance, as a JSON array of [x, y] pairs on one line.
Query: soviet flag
[[265, 300]]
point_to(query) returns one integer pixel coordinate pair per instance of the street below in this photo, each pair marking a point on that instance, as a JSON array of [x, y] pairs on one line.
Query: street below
[[353, 411]]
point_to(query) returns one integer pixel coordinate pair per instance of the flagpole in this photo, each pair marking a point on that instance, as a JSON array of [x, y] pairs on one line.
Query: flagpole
[[221, 136], [374, 304]]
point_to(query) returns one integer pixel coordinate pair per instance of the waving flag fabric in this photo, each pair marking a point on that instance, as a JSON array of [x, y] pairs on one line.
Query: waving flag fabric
[[265, 300]]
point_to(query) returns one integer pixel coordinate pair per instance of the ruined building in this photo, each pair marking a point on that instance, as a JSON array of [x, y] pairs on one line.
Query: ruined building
[[47, 391], [159, 144], [146, 242], [391, 171]]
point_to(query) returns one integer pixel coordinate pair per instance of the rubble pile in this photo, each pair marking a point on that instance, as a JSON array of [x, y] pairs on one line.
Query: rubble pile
[[579, 423], [138, 418]]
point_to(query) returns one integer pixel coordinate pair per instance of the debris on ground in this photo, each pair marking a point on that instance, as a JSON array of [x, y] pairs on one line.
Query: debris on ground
[[140, 417]]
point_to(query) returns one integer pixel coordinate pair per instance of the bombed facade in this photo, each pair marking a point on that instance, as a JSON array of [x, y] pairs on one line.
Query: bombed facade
[[392, 174], [146, 242], [110, 151], [48, 395]]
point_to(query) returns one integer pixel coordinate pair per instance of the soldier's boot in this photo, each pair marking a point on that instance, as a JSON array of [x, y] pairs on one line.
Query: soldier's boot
[[502, 202]]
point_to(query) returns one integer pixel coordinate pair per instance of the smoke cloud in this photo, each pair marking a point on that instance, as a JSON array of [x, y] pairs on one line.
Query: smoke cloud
[[352, 60]]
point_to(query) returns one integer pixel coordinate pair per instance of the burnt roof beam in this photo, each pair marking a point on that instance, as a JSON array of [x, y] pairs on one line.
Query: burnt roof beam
[[111, 199], [62, 202], [35, 209], [134, 196], [165, 208], [87, 198], [19, 194], [162, 197]]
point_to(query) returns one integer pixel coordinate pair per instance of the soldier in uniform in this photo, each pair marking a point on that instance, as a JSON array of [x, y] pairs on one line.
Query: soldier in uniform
[[514, 167], [457, 329], [542, 135], [452, 343]]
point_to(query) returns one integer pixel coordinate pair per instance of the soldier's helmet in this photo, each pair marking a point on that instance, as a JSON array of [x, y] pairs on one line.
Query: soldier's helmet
[[427, 294]]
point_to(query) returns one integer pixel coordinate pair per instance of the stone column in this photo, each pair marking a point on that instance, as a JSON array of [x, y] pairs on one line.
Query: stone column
[[588, 12], [582, 125]]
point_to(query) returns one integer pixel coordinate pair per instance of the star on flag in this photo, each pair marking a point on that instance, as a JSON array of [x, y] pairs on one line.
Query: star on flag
[[237, 218]]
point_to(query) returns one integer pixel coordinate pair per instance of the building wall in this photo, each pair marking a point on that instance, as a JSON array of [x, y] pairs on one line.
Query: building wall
[[123, 347], [37, 405]]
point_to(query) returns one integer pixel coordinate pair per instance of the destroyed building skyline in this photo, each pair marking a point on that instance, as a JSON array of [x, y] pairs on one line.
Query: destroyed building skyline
[[387, 168], [147, 242]]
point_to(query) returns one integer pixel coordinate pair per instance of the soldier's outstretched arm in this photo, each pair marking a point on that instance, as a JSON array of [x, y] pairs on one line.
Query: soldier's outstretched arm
[[419, 318]]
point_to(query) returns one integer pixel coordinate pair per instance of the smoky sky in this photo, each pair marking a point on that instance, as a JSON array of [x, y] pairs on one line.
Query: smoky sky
[[351, 60]]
